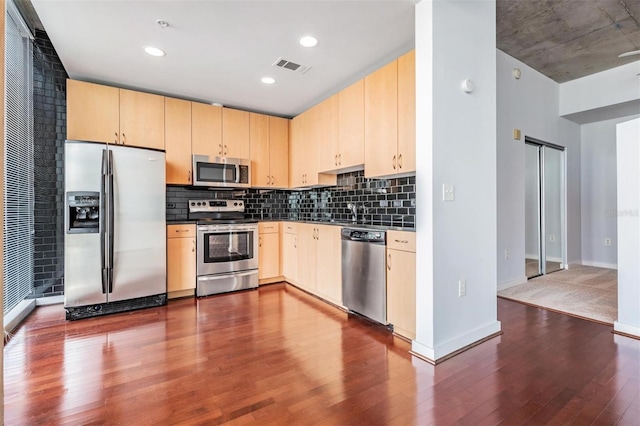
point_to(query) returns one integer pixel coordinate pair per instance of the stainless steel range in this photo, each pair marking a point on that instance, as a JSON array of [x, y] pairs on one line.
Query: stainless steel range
[[227, 246]]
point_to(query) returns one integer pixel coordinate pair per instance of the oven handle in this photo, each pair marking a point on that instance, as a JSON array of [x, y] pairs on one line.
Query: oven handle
[[224, 229], [223, 276]]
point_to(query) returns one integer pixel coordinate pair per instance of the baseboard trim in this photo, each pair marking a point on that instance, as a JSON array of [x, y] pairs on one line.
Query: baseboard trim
[[512, 283], [600, 264], [16, 315], [51, 300], [627, 330], [533, 305], [455, 346]]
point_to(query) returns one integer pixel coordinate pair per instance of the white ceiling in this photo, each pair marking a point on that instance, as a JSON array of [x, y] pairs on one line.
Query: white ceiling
[[217, 51]]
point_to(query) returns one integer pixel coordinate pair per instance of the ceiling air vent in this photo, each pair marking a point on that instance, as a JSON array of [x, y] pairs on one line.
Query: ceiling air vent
[[283, 63]]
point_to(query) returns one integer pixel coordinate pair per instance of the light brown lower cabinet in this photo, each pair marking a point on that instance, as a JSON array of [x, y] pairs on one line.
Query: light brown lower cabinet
[[290, 252], [401, 282], [181, 260], [268, 252]]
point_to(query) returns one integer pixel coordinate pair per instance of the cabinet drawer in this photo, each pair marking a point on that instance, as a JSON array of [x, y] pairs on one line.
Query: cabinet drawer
[[400, 240], [181, 231], [268, 227], [290, 228]]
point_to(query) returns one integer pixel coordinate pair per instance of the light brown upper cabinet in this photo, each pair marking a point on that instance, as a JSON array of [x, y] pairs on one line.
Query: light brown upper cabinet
[[269, 148], [407, 112], [351, 126], [93, 112], [389, 118], [206, 129], [326, 134], [119, 116], [177, 130], [141, 119], [305, 144], [235, 134]]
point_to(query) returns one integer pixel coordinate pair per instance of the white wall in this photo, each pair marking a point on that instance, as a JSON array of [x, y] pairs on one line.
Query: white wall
[[628, 148], [599, 197], [531, 105], [601, 91], [456, 144]]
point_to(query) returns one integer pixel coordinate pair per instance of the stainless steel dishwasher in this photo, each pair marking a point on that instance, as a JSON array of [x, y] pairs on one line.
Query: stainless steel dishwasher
[[364, 288]]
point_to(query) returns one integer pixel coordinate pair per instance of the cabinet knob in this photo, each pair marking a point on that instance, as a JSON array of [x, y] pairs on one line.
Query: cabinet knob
[[273, 181], [115, 140], [219, 149], [339, 159], [193, 245], [402, 241], [394, 162], [268, 180], [124, 139], [336, 160], [389, 261], [189, 176], [400, 161], [260, 241], [225, 150]]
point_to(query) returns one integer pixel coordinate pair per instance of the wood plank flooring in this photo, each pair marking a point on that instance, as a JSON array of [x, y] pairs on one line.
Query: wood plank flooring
[[277, 356]]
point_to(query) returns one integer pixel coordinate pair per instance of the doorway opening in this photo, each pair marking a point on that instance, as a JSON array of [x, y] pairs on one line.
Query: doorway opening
[[545, 208]]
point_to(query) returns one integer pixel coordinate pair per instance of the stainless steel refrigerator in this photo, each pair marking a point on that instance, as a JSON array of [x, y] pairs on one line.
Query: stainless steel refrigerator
[[115, 237]]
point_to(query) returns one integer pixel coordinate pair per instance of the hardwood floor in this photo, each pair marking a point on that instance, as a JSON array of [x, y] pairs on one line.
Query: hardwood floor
[[278, 356]]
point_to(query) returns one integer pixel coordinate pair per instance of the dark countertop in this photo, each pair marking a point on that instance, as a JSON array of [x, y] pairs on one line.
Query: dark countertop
[[342, 224]]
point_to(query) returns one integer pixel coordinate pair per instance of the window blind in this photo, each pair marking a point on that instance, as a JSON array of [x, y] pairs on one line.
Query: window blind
[[18, 161]]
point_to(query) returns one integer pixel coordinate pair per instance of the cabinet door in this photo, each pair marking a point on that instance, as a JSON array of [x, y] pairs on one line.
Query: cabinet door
[[329, 266], [141, 119], [178, 140], [327, 134], [235, 133], [307, 256], [269, 256], [290, 257], [181, 264], [381, 121], [401, 292], [297, 155], [92, 112], [206, 129], [279, 152], [351, 125], [259, 148], [407, 113]]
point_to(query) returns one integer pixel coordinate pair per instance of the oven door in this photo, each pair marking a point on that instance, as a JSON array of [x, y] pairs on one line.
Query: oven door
[[227, 248]]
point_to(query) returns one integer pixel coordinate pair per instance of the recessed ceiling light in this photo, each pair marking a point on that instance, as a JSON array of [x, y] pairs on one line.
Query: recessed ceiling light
[[267, 80], [308, 41], [154, 51]]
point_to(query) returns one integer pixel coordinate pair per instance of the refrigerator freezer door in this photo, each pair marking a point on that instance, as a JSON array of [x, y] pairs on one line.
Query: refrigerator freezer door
[[82, 254], [139, 231]]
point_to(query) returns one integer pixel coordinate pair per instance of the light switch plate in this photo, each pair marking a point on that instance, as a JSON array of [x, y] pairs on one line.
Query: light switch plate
[[448, 192]]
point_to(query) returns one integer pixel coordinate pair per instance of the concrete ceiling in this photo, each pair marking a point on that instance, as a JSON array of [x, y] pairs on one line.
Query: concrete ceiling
[[569, 39], [217, 50]]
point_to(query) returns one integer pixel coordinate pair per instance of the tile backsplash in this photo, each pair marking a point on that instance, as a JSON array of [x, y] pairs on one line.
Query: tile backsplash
[[387, 202]]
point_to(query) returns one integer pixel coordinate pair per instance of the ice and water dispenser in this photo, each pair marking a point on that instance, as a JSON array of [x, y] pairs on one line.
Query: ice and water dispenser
[[83, 212]]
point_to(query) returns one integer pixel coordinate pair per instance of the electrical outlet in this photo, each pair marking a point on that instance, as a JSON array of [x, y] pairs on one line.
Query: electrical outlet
[[462, 288], [384, 203], [171, 205], [607, 241], [506, 254]]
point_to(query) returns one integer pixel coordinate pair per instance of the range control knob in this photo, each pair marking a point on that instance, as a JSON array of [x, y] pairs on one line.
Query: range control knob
[[235, 204]]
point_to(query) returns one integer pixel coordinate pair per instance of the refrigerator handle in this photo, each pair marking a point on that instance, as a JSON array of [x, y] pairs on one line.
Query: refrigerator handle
[[111, 220], [103, 230]]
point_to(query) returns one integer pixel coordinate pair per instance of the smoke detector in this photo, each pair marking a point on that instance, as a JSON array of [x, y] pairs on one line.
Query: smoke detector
[[283, 63]]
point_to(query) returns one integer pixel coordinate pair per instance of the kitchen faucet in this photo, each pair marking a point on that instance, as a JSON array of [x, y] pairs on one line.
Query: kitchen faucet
[[354, 211]]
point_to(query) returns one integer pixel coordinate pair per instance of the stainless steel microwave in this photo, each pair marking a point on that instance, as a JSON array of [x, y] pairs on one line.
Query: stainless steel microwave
[[221, 172]]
